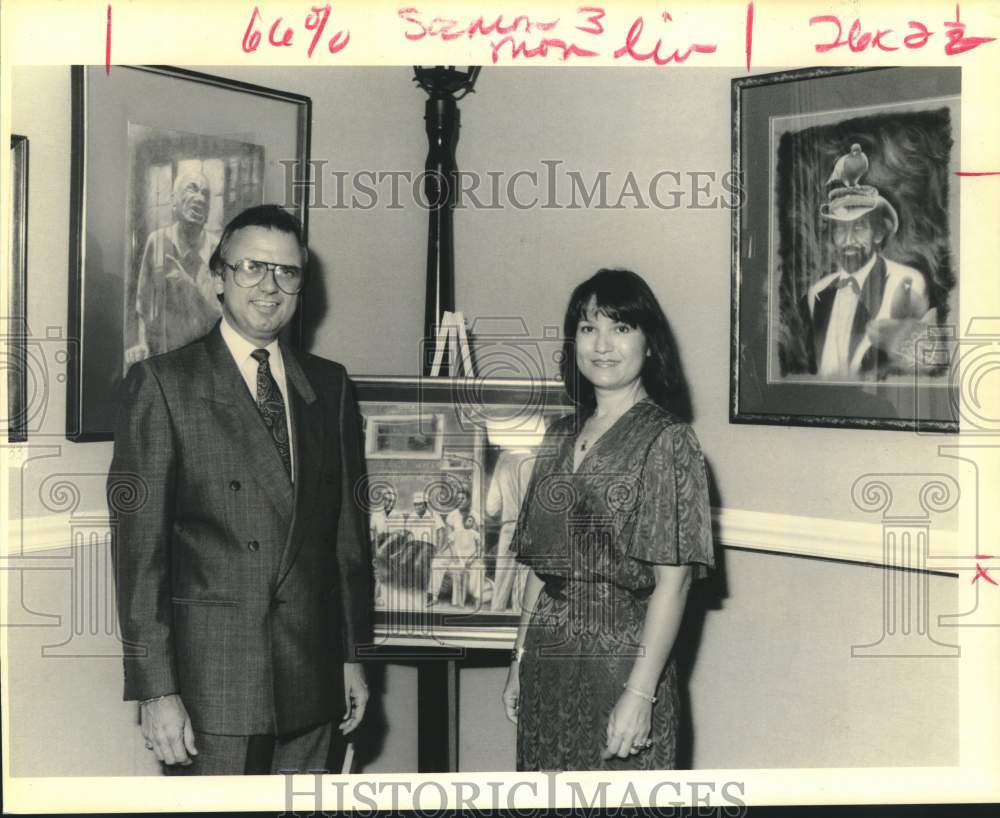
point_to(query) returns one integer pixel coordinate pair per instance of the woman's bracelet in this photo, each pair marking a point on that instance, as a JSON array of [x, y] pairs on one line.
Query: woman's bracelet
[[639, 693]]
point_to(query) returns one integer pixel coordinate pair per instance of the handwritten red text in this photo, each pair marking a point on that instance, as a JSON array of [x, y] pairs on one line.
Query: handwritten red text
[[517, 36], [280, 35], [858, 38], [657, 52]]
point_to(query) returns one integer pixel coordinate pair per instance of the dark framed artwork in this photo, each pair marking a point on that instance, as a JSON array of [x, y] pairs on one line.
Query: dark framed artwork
[[15, 329], [163, 158], [444, 509], [845, 262]]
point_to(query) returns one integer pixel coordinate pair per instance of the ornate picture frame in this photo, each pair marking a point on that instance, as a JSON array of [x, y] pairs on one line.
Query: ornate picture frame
[[440, 526], [15, 329], [162, 159], [845, 248]]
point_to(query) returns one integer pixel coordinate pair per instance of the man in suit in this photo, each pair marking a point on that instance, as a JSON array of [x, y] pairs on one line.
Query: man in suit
[[847, 311], [242, 568]]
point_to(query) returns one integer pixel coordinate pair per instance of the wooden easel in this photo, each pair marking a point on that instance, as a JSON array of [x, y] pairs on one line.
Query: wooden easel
[[437, 678], [452, 336]]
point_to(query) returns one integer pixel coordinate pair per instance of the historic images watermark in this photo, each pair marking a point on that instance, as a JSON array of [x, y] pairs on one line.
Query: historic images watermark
[[431, 797], [549, 186], [908, 502]]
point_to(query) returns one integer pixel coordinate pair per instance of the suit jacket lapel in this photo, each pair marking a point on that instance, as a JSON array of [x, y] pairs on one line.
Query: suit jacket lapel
[[241, 421], [821, 319], [307, 432], [868, 303]]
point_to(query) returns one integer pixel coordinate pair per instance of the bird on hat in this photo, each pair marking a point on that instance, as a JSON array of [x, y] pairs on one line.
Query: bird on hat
[[850, 167]]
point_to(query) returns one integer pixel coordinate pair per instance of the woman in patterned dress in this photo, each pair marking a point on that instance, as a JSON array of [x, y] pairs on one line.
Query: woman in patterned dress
[[614, 525]]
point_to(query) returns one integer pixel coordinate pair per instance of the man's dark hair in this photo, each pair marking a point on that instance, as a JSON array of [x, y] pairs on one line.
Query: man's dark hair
[[270, 216], [624, 296]]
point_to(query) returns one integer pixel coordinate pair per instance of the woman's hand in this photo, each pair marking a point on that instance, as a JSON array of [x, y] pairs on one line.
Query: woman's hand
[[628, 726], [512, 692]]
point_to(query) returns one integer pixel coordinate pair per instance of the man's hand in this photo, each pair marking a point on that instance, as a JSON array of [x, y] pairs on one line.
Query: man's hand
[[167, 729], [139, 352], [355, 696], [902, 340]]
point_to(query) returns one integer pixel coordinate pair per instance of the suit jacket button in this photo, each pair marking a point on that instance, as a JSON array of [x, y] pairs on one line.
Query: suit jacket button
[[234, 485], [253, 545]]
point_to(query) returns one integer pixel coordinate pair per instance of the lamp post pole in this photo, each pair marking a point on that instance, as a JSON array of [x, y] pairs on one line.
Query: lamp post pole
[[444, 86]]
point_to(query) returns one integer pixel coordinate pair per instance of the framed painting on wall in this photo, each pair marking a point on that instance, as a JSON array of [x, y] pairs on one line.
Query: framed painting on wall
[[845, 276], [163, 158], [442, 522], [15, 331]]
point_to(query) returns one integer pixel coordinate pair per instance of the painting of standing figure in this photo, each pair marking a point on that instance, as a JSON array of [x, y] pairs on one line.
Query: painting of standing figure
[[182, 188]]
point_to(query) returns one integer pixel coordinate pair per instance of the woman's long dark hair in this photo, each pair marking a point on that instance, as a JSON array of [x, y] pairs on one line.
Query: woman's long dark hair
[[624, 296]]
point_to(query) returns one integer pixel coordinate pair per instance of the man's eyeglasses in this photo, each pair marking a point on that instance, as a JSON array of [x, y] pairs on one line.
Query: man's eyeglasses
[[248, 272]]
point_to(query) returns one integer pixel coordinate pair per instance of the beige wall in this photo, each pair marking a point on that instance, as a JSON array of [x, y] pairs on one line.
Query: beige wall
[[783, 632]]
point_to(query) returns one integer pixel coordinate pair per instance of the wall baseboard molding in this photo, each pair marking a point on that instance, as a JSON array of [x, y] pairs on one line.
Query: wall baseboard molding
[[735, 528], [820, 537]]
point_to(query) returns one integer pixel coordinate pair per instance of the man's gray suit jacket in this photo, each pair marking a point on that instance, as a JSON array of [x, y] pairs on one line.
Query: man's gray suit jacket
[[242, 591]]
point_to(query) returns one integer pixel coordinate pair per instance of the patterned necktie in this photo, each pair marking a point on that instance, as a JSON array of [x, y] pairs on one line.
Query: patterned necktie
[[272, 407]]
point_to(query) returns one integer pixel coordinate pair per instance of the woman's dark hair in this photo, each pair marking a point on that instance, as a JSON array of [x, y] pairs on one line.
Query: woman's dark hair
[[624, 296]]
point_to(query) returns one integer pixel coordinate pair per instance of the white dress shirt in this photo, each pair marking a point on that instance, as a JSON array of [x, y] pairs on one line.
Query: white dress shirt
[[240, 348], [835, 360]]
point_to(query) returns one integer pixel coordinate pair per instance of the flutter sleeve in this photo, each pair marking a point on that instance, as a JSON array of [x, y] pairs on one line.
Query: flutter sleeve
[[674, 525], [530, 544]]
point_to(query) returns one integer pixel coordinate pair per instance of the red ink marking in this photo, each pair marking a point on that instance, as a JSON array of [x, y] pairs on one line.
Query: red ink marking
[[318, 23], [877, 40], [635, 33], [481, 27], [280, 35], [919, 38], [857, 40], [521, 49], [958, 43], [286, 38], [107, 45], [983, 572], [251, 37], [447, 28], [411, 35], [749, 33], [827, 18], [336, 44], [444, 28], [594, 16], [977, 173]]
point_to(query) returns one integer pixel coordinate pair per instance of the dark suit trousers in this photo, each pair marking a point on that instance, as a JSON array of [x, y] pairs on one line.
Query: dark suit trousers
[[312, 749]]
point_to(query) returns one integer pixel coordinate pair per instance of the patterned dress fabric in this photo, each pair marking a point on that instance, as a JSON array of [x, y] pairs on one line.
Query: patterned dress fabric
[[639, 497], [272, 407]]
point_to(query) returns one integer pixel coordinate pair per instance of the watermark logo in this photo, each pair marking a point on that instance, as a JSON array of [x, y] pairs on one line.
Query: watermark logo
[[550, 185]]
